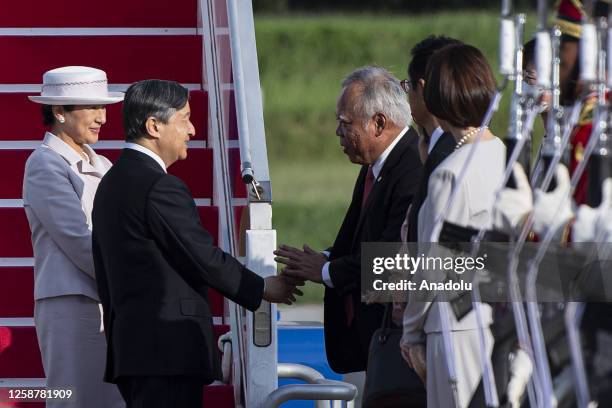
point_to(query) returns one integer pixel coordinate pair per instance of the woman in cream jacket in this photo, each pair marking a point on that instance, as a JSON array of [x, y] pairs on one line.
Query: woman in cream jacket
[[459, 88]]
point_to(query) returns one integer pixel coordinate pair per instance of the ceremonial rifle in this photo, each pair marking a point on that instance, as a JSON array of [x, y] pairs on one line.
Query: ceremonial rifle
[[588, 75], [599, 170], [444, 312]]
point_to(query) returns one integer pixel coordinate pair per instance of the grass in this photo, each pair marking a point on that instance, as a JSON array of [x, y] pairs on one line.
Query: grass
[[310, 200], [302, 61]]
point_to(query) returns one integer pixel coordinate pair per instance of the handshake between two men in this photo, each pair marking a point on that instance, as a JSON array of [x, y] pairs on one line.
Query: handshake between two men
[[281, 289], [301, 265]]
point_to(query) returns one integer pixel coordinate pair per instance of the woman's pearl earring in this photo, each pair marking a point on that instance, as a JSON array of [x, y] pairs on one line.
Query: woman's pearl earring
[[61, 119]]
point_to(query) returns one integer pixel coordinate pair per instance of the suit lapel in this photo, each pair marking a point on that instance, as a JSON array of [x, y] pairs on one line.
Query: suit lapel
[[346, 234], [355, 210], [379, 184]]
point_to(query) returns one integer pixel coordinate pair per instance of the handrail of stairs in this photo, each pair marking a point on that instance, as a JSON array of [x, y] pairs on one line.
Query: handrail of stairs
[[259, 352], [318, 388], [246, 167], [223, 193], [253, 335]]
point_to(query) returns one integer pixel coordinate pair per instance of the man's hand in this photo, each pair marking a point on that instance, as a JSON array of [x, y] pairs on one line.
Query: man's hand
[[415, 357], [278, 289], [304, 265]]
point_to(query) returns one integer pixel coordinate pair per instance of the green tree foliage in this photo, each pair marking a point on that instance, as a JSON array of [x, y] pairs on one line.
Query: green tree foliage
[[403, 6]]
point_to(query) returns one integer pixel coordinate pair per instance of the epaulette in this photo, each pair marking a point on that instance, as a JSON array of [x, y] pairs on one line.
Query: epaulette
[[586, 114]]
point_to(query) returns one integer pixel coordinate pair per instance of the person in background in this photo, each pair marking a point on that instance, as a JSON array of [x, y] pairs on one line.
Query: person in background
[[60, 181], [459, 86], [570, 224], [434, 143]]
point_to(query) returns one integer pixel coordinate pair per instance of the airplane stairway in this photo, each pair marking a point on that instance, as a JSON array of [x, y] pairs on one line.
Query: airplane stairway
[[130, 40]]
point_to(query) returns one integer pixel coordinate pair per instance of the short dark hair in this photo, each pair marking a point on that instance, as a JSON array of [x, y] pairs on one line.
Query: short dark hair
[[529, 53], [569, 88], [47, 113], [422, 52], [530, 46], [459, 85], [151, 98]]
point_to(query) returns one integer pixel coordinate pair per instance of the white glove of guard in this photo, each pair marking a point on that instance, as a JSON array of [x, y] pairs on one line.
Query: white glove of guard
[[592, 223], [514, 204], [520, 373], [545, 214]]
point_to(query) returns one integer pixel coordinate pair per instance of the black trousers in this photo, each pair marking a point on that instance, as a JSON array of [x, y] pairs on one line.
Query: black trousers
[[172, 391]]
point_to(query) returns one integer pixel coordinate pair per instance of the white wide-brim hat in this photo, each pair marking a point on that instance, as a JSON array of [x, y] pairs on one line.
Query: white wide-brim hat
[[76, 86]]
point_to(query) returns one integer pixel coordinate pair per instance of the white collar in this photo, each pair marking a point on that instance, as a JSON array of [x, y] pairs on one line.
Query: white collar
[[379, 163], [61, 147], [148, 152], [435, 136], [89, 165]]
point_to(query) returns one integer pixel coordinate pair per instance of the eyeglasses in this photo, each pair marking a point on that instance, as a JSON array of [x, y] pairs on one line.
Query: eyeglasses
[[405, 83]]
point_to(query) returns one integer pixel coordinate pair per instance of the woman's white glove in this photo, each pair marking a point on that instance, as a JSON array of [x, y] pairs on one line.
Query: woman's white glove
[[514, 204], [594, 223], [546, 212]]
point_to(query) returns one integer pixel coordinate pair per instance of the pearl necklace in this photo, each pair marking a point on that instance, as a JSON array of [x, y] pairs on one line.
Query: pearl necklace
[[467, 136]]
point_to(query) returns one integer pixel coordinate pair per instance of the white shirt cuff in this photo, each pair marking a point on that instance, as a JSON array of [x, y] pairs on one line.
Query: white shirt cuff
[[325, 275]]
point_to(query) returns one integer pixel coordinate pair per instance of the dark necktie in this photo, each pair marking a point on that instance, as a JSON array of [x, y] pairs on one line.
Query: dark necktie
[[367, 187]]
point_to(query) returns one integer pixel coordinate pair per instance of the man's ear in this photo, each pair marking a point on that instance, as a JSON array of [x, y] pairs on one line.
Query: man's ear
[[380, 121], [152, 127]]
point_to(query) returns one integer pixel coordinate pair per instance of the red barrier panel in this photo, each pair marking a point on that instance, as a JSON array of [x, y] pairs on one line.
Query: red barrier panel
[[19, 354], [196, 171], [16, 242], [26, 118], [125, 59], [16, 292], [114, 13], [238, 187], [15, 237]]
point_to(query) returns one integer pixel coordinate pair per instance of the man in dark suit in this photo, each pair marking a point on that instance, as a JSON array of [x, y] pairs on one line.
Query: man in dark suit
[[154, 261], [373, 119], [434, 144]]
